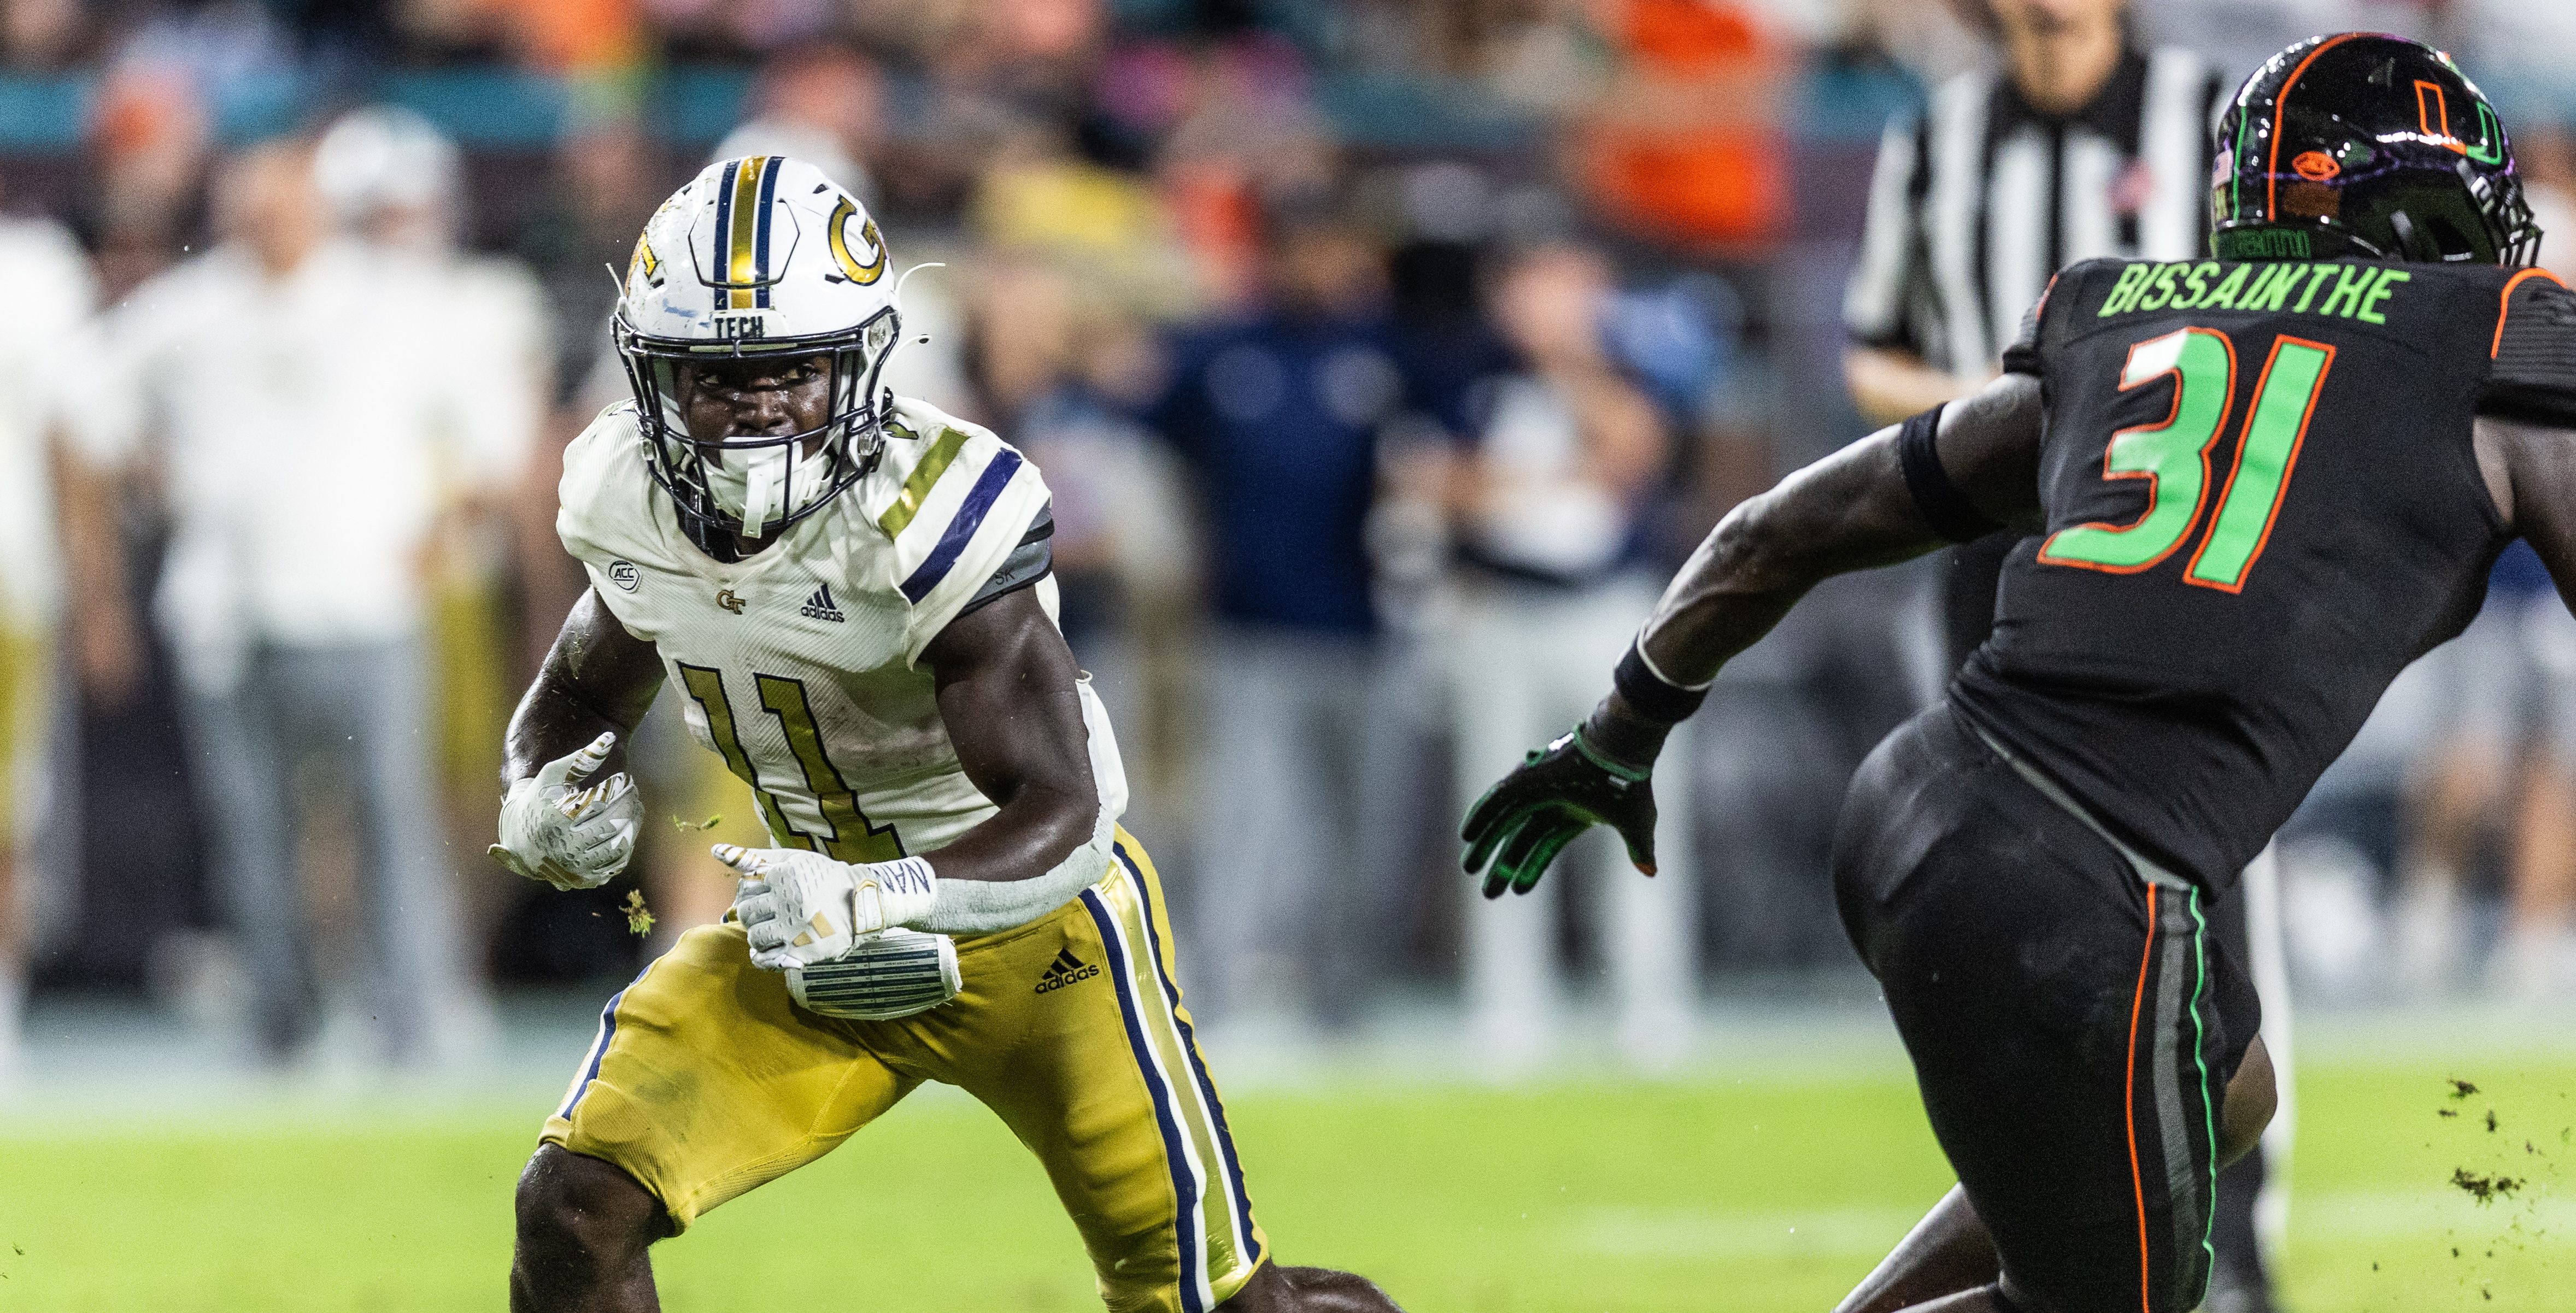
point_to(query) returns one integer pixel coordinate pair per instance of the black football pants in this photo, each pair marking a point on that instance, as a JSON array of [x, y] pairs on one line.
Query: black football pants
[[2072, 1018]]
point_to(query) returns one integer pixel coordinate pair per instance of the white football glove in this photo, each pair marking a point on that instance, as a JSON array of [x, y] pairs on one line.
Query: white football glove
[[558, 827], [799, 908]]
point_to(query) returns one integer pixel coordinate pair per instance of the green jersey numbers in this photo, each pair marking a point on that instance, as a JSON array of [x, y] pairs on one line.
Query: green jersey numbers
[[848, 837], [2173, 456], [2284, 397]]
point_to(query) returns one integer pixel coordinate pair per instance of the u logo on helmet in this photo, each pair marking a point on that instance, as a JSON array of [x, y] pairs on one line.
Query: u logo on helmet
[[837, 232], [2433, 114], [2490, 147]]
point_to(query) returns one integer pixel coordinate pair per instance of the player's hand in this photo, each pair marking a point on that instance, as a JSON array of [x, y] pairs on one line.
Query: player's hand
[[1522, 823], [799, 908], [559, 827]]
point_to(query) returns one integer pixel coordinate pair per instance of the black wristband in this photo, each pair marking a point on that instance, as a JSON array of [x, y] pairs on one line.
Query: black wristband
[[1649, 696], [1944, 507]]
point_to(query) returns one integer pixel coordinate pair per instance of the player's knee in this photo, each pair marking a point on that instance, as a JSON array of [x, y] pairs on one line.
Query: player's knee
[[1276, 1289], [571, 1207], [2251, 1099]]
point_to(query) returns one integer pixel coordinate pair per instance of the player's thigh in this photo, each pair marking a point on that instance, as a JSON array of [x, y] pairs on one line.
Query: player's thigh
[[1074, 1033], [2087, 1154], [706, 1079], [2072, 1029]]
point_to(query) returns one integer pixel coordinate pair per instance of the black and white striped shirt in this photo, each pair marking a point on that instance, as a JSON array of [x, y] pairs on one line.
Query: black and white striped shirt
[[1978, 200]]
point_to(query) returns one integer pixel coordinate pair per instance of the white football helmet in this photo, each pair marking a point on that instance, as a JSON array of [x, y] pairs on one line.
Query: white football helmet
[[760, 256]]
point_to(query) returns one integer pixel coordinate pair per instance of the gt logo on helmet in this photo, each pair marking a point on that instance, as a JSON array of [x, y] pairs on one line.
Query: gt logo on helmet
[[747, 227], [837, 227]]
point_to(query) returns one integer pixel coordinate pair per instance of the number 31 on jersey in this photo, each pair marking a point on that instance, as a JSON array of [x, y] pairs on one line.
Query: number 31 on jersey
[[2173, 456]]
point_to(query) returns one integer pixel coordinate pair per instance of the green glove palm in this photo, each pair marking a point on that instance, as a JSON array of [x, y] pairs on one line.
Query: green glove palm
[[1559, 792]]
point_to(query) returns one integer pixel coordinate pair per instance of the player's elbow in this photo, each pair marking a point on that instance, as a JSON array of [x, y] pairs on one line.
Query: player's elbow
[[1759, 546], [1057, 818]]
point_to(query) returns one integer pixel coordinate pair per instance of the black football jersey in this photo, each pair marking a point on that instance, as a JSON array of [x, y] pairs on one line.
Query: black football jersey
[[2262, 502]]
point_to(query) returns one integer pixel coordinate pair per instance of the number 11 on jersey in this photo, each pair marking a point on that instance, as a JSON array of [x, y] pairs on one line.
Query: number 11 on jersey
[[2174, 457], [852, 837]]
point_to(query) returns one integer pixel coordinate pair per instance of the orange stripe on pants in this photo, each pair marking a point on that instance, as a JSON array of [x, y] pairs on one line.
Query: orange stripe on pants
[[2137, 1180]]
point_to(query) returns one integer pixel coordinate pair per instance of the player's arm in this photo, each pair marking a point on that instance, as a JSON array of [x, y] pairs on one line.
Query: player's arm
[[2530, 471], [1007, 691], [2526, 427], [1940, 477], [557, 824], [1008, 695], [1854, 510]]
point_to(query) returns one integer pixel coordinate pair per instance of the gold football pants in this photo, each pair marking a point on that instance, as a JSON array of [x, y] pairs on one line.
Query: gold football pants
[[26, 668], [707, 1080]]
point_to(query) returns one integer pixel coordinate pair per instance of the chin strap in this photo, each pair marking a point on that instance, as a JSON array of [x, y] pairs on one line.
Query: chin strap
[[764, 488]]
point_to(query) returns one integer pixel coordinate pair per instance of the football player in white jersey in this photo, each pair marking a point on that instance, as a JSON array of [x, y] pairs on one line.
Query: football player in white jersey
[[848, 591], [57, 295]]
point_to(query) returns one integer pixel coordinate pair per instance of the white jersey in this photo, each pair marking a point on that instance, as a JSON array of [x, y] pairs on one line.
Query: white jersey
[[309, 433], [799, 665], [54, 296]]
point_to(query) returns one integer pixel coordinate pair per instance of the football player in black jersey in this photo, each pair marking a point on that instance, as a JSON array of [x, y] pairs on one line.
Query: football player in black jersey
[[2253, 488]]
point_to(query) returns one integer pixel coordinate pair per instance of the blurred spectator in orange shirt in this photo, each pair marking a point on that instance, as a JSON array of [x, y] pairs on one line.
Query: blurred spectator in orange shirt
[[1684, 142], [149, 131], [556, 36]]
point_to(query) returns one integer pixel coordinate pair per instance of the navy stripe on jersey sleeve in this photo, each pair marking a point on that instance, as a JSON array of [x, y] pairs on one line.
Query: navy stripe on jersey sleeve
[[2533, 376], [962, 526]]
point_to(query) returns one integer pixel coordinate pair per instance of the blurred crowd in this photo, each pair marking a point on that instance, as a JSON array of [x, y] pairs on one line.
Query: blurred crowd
[[1383, 357]]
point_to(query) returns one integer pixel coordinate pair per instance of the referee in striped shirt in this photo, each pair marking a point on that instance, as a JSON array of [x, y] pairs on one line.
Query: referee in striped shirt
[[2080, 144]]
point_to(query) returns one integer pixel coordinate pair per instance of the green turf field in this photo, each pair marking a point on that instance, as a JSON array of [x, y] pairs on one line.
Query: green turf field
[[1725, 1194]]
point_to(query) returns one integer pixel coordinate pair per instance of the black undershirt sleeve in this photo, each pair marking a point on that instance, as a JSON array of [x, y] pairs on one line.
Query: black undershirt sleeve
[[1029, 562]]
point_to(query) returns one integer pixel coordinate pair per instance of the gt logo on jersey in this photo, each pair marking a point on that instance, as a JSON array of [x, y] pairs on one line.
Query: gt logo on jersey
[[622, 574], [726, 598], [1065, 970]]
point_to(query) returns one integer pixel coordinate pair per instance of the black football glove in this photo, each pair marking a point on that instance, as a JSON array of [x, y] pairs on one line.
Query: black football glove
[[1559, 792]]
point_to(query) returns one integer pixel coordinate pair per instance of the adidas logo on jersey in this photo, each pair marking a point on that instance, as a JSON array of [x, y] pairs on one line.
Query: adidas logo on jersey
[[1065, 970], [819, 606]]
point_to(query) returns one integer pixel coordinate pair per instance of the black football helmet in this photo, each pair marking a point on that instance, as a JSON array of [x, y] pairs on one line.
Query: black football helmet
[[2366, 145]]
